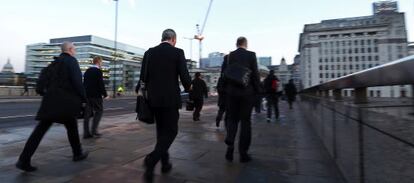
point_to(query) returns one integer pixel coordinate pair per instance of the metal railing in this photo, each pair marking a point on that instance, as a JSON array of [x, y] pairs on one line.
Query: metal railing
[[399, 72]]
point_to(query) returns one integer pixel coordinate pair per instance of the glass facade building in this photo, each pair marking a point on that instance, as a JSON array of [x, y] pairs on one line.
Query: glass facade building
[[127, 61]]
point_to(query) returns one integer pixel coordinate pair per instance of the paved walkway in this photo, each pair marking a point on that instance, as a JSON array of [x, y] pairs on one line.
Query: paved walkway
[[283, 151]]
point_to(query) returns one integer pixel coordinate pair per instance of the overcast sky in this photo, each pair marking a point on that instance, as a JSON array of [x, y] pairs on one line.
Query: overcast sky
[[271, 26]]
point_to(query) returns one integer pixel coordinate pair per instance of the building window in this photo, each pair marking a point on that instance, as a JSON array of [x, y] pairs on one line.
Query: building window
[[356, 42], [332, 59], [357, 67], [363, 58], [350, 50], [332, 75], [369, 42], [326, 67], [332, 67], [376, 58], [326, 75], [369, 50], [371, 93], [350, 67], [356, 50], [350, 59], [326, 59], [344, 59], [378, 93], [376, 49], [320, 60], [357, 59], [320, 75], [369, 58], [344, 66], [369, 65], [338, 59], [320, 67], [362, 50], [362, 42]]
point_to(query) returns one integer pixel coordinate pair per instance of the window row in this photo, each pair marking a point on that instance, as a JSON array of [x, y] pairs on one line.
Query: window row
[[348, 51], [345, 59], [345, 67], [347, 35]]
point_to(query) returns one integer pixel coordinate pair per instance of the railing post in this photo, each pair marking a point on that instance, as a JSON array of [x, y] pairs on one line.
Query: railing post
[[337, 93], [326, 93], [361, 95]]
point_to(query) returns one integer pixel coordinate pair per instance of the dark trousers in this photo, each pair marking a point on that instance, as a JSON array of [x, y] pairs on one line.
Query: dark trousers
[[272, 101], [198, 105], [41, 129], [239, 109], [258, 104], [166, 120], [94, 108]]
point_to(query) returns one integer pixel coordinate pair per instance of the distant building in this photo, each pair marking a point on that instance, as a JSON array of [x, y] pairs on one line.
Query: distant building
[[9, 78], [214, 59], [282, 71], [338, 47], [296, 73], [265, 61], [128, 58]]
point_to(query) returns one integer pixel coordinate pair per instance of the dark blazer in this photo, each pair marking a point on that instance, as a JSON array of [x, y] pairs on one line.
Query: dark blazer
[[246, 59], [165, 65], [93, 83], [75, 74], [199, 89]]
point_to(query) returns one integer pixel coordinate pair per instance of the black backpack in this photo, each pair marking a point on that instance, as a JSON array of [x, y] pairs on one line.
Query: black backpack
[[52, 76]]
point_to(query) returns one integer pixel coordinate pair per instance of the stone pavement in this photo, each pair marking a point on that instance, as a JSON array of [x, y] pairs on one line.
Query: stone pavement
[[283, 151]]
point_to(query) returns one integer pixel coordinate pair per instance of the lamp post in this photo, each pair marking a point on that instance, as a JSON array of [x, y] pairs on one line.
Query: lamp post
[[115, 47]]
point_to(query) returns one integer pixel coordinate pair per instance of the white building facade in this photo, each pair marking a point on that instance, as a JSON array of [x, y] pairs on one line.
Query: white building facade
[[338, 47]]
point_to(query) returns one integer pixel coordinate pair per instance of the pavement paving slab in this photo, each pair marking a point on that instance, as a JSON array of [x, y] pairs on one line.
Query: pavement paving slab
[[283, 151]]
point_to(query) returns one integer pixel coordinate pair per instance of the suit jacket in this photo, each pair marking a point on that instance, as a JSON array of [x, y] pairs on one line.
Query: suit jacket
[[165, 65], [93, 83], [246, 59]]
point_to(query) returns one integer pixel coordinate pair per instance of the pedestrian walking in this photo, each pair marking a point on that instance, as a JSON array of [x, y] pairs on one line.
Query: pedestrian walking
[[60, 84], [26, 89], [95, 91], [271, 87], [290, 92], [241, 87], [165, 64], [198, 92]]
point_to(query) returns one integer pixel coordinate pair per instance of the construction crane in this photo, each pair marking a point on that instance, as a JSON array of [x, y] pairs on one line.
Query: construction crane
[[199, 36]]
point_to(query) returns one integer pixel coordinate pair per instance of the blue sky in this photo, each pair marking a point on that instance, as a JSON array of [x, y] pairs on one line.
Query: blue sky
[[271, 26]]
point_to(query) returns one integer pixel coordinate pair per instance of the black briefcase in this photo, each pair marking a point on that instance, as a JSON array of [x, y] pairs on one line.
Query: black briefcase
[[143, 110]]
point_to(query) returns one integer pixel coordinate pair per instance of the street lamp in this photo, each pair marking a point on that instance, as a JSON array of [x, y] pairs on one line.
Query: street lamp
[[115, 47]]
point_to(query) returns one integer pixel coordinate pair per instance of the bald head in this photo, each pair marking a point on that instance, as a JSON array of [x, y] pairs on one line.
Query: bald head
[[69, 48]]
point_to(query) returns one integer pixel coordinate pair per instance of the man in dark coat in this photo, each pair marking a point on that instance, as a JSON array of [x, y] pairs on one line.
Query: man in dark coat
[[290, 91], [73, 87], [197, 94], [95, 90], [165, 65], [271, 85], [221, 103], [240, 100]]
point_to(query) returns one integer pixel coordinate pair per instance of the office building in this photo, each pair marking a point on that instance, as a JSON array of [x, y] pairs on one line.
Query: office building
[[338, 47], [214, 59], [411, 48], [125, 69], [265, 61]]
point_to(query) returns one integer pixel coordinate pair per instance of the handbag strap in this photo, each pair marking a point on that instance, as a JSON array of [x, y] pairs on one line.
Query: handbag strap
[[145, 70]]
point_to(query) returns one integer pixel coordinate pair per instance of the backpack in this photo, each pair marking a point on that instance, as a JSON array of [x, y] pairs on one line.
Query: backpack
[[52, 76], [275, 85]]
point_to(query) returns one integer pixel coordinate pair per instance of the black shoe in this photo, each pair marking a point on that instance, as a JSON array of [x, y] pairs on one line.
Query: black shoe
[[245, 158], [81, 157], [166, 168], [229, 154], [87, 136], [149, 170], [97, 135], [25, 166], [148, 176]]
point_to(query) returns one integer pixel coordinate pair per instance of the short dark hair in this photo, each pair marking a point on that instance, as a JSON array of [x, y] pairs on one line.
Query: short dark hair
[[168, 34], [241, 41], [197, 74]]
